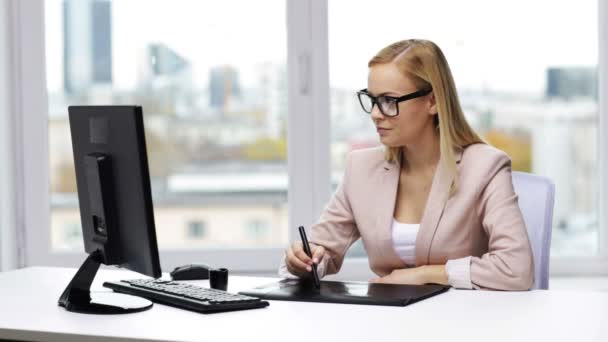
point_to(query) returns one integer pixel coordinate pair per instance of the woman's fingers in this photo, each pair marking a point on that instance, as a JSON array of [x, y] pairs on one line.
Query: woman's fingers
[[298, 262], [298, 250], [317, 254], [294, 263]]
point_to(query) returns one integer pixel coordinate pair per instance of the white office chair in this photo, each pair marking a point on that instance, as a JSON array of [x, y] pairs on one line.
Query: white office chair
[[536, 197]]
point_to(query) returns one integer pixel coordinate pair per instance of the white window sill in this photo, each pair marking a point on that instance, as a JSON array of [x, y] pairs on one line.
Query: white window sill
[[579, 283]]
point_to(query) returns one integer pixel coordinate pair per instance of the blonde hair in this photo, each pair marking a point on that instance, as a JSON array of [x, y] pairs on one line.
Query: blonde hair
[[423, 62]]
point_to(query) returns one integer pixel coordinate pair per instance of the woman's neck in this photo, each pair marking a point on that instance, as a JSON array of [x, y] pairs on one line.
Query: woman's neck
[[423, 155]]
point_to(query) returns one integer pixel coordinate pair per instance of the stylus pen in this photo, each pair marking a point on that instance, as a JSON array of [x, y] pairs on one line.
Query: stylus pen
[[315, 275]]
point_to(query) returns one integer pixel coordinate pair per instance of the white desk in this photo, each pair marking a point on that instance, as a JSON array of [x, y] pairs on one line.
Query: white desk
[[29, 311]]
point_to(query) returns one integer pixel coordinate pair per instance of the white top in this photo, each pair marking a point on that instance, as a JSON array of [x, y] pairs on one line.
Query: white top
[[404, 243], [30, 312], [404, 240]]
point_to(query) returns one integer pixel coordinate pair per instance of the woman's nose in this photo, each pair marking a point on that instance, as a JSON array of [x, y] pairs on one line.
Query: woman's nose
[[376, 114]]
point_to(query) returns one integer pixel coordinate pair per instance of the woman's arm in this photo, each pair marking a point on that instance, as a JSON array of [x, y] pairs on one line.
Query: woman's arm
[[508, 264], [425, 274], [335, 230]]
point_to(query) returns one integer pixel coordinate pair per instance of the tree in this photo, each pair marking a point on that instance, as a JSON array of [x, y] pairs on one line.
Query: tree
[[266, 149], [65, 180], [517, 146]]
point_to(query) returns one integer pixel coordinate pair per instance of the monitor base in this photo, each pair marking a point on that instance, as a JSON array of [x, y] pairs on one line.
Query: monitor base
[[77, 296], [109, 303]]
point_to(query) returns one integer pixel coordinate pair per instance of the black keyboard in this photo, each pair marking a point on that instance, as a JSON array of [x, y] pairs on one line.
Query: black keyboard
[[186, 296]]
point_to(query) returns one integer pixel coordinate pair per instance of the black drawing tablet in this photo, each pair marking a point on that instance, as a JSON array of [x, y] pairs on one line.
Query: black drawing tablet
[[303, 290]]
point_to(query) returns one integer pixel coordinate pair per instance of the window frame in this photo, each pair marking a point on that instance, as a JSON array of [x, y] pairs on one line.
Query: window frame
[[308, 161], [8, 155], [27, 96], [307, 93]]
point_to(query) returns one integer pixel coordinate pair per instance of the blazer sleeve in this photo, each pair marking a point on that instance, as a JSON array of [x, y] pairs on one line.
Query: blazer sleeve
[[508, 264], [336, 229]]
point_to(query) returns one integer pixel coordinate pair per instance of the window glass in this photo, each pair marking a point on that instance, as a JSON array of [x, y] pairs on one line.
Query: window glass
[[526, 79], [211, 78]]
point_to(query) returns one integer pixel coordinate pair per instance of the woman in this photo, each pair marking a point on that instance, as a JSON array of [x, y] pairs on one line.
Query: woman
[[435, 204]]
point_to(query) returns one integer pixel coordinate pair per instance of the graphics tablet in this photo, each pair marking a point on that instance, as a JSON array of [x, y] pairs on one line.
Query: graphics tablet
[[346, 292]]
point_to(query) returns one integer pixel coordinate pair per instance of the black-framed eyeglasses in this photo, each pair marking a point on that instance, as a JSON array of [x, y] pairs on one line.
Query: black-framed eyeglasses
[[388, 105]]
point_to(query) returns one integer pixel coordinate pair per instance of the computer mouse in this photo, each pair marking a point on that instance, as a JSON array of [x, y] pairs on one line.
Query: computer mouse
[[191, 272]]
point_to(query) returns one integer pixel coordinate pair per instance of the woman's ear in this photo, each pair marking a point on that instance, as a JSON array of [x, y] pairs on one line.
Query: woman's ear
[[432, 104]]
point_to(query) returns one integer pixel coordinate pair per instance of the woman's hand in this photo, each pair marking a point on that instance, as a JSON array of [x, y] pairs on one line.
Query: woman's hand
[[298, 263], [415, 276]]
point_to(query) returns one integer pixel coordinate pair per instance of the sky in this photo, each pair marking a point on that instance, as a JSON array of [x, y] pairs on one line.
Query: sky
[[498, 45], [503, 45], [241, 33]]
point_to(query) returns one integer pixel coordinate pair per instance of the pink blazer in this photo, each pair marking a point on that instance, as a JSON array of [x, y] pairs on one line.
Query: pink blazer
[[481, 219]]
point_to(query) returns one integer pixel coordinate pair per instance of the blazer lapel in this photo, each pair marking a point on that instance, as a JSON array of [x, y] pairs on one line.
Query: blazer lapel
[[385, 208], [387, 190], [433, 210]]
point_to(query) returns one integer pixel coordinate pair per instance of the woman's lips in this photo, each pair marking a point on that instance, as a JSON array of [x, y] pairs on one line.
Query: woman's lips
[[382, 131]]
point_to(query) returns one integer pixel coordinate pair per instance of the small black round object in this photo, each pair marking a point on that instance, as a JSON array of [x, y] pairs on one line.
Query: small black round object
[[218, 278]]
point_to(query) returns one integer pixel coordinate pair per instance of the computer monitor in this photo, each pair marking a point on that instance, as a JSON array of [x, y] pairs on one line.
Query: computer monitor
[[115, 201]]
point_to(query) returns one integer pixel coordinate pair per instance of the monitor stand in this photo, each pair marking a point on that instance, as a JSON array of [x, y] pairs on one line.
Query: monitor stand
[[77, 297]]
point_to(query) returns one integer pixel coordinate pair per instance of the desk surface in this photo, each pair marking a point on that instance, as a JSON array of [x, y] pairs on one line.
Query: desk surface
[[29, 311]]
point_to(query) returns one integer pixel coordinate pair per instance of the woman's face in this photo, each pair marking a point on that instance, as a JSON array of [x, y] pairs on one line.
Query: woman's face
[[415, 116]]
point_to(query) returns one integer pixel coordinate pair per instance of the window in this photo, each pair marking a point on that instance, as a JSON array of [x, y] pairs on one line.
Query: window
[[257, 229], [215, 108], [511, 87], [528, 89], [196, 230]]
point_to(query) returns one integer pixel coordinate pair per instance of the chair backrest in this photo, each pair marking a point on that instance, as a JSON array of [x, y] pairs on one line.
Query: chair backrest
[[536, 197]]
